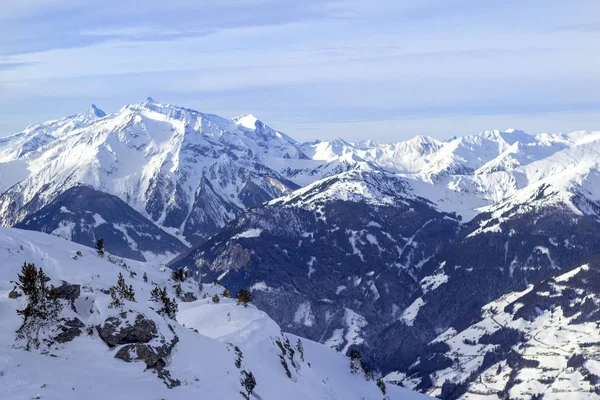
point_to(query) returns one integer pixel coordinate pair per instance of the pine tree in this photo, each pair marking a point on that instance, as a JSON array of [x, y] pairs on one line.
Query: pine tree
[[100, 247], [42, 308], [226, 293], [145, 277], [381, 385], [28, 283], [300, 348], [216, 299], [169, 307], [178, 290], [178, 275], [121, 292], [115, 301], [155, 294], [244, 297]]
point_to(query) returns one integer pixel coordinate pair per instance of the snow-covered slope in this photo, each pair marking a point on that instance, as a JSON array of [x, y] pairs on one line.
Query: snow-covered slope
[[214, 345]]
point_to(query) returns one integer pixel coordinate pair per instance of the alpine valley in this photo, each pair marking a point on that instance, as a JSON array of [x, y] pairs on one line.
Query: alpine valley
[[463, 269]]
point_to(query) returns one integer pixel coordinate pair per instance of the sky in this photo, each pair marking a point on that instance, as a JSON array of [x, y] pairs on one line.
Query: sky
[[315, 69]]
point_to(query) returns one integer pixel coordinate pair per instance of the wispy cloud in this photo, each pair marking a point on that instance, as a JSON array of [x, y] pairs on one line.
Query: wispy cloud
[[340, 60]]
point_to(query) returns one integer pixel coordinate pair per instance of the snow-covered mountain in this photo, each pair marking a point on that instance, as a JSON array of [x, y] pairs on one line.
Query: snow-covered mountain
[[541, 342], [188, 172], [375, 246], [336, 261], [92, 351]]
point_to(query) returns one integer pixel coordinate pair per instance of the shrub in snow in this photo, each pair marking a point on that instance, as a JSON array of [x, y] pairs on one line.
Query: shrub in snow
[[169, 306], [248, 383], [381, 385], [121, 292], [300, 348], [357, 364], [178, 275], [216, 299], [244, 297]]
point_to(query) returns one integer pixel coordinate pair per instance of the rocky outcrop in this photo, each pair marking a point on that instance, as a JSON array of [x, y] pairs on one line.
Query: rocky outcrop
[[70, 329], [129, 327], [188, 297], [153, 355], [68, 292], [142, 339]]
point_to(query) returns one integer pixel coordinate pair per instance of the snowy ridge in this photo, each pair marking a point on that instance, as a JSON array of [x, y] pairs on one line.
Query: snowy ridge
[[166, 161], [361, 184]]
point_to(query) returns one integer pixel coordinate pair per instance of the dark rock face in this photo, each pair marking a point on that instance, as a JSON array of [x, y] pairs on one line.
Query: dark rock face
[[188, 297], [129, 327], [141, 339], [153, 356], [68, 291], [70, 329], [84, 215]]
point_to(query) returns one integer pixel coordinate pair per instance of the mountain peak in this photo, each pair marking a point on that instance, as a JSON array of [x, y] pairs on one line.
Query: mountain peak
[[97, 112], [90, 114], [149, 100], [248, 121]]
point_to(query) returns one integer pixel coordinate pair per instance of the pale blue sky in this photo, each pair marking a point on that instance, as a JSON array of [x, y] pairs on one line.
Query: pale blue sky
[[360, 69]]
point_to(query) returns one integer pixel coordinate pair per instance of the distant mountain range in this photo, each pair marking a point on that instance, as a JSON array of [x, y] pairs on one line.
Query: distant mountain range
[[381, 247]]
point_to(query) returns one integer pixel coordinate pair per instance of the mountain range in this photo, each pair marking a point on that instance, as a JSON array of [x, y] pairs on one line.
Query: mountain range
[[395, 249]]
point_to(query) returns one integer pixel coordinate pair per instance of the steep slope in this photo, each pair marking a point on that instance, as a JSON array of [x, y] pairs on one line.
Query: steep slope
[[94, 351], [531, 236], [336, 261], [540, 342], [84, 215]]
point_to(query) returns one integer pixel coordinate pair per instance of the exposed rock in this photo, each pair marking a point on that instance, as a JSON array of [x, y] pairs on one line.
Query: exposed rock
[[70, 330], [74, 323], [121, 330], [154, 356], [188, 297], [165, 375], [68, 292]]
